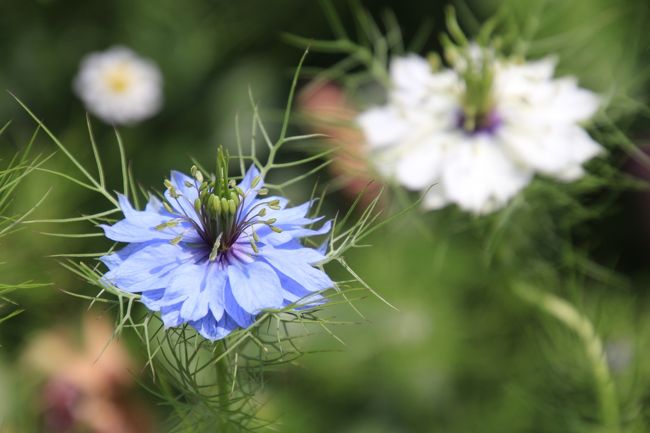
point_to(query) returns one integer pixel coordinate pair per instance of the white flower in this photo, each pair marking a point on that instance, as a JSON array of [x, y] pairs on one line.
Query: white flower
[[422, 136], [119, 86]]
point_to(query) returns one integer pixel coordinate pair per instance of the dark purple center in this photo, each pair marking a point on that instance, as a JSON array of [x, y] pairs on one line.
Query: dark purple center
[[484, 124]]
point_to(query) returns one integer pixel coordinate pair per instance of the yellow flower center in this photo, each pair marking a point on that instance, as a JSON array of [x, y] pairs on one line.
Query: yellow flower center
[[119, 77]]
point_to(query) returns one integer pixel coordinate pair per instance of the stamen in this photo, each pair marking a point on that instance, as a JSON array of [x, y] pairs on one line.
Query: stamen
[[167, 224], [220, 217], [215, 248]]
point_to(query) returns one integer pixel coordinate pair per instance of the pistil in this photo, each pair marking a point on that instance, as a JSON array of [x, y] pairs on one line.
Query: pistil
[[221, 218]]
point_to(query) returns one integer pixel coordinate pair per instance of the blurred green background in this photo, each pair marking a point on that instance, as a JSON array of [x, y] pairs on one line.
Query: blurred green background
[[460, 354]]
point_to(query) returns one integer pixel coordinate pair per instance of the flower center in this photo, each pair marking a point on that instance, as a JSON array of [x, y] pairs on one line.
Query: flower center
[[475, 66], [119, 77], [486, 123], [221, 214]]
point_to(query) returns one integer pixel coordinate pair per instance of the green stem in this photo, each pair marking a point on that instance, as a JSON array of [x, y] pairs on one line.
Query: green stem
[[222, 382], [580, 324]]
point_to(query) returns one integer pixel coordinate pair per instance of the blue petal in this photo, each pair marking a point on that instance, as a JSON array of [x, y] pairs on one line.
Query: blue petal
[[247, 182], [171, 316], [115, 259], [288, 234], [139, 226], [149, 268], [322, 248], [155, 205], [197, 287], [255, 286], [184, 285], [295, 293], [293, 215], [150, 299], [215, 287], [195, 306], [250, 192], [297, 265], [212, 329], [235, 311], [185, 203]]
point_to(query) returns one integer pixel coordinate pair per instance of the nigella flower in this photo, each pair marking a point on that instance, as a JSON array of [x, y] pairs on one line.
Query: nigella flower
[[119, 86], [480, 131], [214, 254]]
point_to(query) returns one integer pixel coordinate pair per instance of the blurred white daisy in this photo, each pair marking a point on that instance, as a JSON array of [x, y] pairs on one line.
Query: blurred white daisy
[[119, 86], [479, 132]]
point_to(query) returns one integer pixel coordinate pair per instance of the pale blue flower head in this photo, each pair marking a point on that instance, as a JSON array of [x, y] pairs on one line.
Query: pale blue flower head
[[214, 253]]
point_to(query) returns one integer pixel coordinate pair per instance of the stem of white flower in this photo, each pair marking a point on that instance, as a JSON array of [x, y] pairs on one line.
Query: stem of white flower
[[566, 313]]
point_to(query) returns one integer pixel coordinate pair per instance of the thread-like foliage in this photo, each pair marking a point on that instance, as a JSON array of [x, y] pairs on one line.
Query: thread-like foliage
[[212, 383]]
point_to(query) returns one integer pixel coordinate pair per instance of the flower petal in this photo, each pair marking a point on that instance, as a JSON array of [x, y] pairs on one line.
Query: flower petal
[[255, 286], [140, 226], [215, 287], [480, 178], [295, 293], [297, 265], [235, 311], [171, 316], [383, 126], [213, 329], [420, 166], [550, 151], [149, 268]]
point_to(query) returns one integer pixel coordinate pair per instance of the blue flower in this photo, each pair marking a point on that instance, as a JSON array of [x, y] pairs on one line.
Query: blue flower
[[214, 254]]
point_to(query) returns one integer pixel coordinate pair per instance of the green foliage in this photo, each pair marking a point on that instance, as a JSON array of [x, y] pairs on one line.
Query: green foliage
[[13, 172]]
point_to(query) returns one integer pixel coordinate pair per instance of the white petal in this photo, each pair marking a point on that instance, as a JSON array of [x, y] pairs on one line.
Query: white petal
[[554, 102], [419, 167], [141, 94], [480, 178], [571, 103], [410, 72], [570, 173], [550, 151], [382, 126]]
